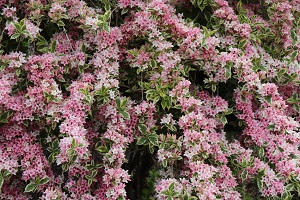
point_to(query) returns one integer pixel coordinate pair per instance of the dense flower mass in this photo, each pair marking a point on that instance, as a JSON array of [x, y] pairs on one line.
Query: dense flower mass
[[149, 99]]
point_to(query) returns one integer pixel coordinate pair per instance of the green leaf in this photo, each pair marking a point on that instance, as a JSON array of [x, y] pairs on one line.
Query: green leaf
[[73, 143], [60, 23], [106, 15], [281, 72], [214, 87], [124, 11], [1, 182], [5, 173], [164, 103], [244, 175], [141, 140], [53, 46], [261, 152], [153, 139], [5, 116], [90, 181], [285, 195], [125, 114], [65, 167], [223, 120], [294, 54], [239, 6], [106, 27], [242, 43], [171, 186], [31, 187], [164, 163], [133, 52], [15, 36], [261, 173], [18, 26], [294, 37], [153, 63], [186, 197], [268, 99], [55, 144], [42, 49], [289, 187], [298, 188], [102, 149], [107, 6], [123, 104], [259, 184], [228, 72], [142, 128], [44, 180]]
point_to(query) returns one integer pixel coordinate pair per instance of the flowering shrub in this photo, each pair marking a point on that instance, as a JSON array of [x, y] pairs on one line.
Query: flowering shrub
[[156, 99]]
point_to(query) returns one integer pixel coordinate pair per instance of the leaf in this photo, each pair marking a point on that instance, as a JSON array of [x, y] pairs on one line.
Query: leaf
[[15, 36], [125, 114], [268, 99], [133, 52], [186, 197], [259, 184], [293, 55], [214, 87], [164, 104], [239, 6], [298, 188], [94, 173], [153, 139], [281, 72], [55, 144], [223, 120], [228, 72], [106, 15], [285, 195], [261, 152], [31, 187], [90, 181], [106, 27], [73, 142], [65, 167], [294, 37], [141, 141], [44, 180], [60, 23], [242, 43], [53, 46], [172, 186], [261, 173], [1, 182], [164, 163], [289, 187], [124, 11], [5, 173], [206, 31], [142, 128], [42, 49], [153, 63], [244, 175], [17, 26], [123, 103], [4, 117]]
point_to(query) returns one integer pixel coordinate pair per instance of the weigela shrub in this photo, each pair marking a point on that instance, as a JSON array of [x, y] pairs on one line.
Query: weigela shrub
[[149, 99]]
